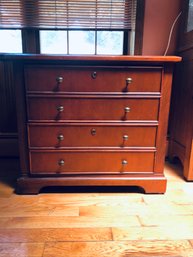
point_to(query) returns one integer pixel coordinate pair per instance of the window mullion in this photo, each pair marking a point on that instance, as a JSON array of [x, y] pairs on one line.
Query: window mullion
[[30, 41], [126, 49]]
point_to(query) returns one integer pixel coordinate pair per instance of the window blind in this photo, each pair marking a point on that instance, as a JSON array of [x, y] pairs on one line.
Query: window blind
[[68, 14]]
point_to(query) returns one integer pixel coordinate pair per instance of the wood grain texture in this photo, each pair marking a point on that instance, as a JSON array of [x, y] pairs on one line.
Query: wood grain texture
[[80, 79], [161, 232], [43, 135], [150, 184], [90, 162], [129, 58], [36, 235], [184, 221], [119, 249], [107, 223], [21, 249], [79, 109], [40, 210], [67, 222]]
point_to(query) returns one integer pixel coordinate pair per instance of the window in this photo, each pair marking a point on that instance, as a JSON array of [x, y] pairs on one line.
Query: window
[[11, 41], [53, 42], [81, 42], [73, 26]]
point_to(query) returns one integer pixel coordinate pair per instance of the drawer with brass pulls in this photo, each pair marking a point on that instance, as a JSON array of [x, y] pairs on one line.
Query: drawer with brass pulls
[[90, 162], [81, 135], [91, 108], [92, 120], [87, 79]]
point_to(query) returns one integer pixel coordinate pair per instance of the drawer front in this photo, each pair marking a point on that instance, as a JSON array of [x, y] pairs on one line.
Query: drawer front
[[45, 78], [42, 108], [90, 162], [90, 136]]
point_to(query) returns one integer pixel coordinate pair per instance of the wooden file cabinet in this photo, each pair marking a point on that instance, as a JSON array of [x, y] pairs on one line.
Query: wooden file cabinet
[[92, 121]]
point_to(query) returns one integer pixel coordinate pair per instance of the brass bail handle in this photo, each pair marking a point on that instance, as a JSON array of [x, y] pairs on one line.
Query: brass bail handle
[[60, 108], [128, 81], [60, 137], [127, 110], [59, 79], [125, 138]]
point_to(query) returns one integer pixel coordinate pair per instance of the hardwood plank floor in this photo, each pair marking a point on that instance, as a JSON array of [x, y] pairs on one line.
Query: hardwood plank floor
[[90, 223], [21, 249], [43, 235], [118, 248]]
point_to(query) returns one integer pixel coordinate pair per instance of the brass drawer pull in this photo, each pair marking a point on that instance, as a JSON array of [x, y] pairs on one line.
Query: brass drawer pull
[[129, 81], [61, 162], [59, 79], [60, 137], [127, 109], [124, 162], [60, 108], [125, 137]]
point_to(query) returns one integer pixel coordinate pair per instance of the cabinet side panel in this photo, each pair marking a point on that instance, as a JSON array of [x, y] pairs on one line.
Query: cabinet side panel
[[163, 118]]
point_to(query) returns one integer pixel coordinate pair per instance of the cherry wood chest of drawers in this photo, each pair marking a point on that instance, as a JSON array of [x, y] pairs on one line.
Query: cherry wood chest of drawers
[[92, 120]]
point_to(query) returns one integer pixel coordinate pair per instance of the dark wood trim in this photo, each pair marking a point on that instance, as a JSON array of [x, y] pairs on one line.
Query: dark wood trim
[[9, 145], [94, 59], [139, 27], [21, 118], [9, 167], [8, 124], [27, 185], [30, 41], [126, 49], [7, 98]]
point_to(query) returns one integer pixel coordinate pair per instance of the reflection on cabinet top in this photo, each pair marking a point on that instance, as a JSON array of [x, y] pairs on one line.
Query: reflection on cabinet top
[[136, 59]]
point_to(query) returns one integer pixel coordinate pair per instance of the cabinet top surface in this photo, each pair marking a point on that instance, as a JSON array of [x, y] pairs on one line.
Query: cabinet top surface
[[124, 58]]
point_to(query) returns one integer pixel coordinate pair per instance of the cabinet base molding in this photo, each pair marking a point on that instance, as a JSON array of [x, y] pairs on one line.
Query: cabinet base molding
[[150, 184]]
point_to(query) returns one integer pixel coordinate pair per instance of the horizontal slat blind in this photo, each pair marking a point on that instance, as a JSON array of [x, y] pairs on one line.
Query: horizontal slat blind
[[69, 14], [11, 13]]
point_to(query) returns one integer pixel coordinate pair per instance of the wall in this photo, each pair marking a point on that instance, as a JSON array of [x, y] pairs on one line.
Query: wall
[[158, 19]]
